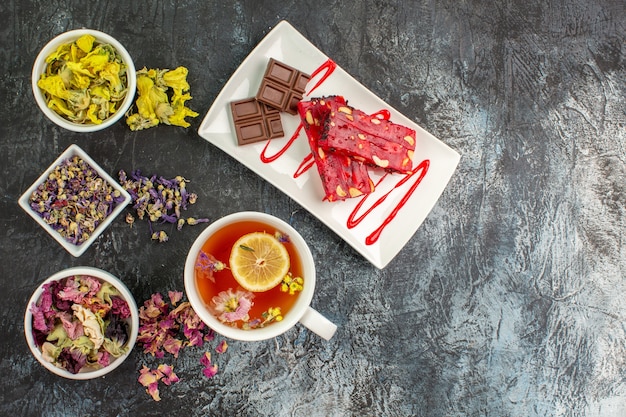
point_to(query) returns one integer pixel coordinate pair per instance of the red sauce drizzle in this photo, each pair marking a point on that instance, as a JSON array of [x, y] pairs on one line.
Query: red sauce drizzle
[[353, 220], [382, 114], [329, 66], [267, 159], [304, 166]]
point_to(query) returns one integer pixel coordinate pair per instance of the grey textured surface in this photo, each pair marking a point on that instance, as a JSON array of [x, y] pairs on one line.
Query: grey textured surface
[[510, 300]]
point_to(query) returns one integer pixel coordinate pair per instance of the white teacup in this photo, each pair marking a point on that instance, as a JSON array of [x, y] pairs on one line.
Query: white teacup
[[300, 312]]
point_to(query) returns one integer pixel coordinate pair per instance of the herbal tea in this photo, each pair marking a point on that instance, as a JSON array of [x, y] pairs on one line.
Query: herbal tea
[[249, 274]]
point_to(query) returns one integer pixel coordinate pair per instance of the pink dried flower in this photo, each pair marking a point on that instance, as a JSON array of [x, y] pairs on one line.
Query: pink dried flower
[[120, 307], [162, 330], [104, 358], [72, 291], [232, 306], [210, 369], [221, 347], [73, 328], [172, 345], [168, 375], [150, 379], [175, 296]]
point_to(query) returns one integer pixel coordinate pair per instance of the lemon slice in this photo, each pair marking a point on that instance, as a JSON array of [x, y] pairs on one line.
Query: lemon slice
[[259, 262]]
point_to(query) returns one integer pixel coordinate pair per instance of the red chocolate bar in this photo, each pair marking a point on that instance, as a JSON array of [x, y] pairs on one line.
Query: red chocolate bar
[[366, 138], [282, 86], [255, 121], [342, 177]]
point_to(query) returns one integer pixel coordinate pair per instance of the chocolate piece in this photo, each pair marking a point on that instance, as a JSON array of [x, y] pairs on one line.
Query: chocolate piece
[[255, 121], [282, 86]]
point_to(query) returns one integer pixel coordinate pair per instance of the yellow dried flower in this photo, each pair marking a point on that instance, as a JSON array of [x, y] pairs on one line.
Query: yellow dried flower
[[83, 80], [85, 43], [154, 105]]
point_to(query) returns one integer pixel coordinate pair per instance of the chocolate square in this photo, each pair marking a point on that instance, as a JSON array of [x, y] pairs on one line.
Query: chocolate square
[[255, 121], [282, 86]]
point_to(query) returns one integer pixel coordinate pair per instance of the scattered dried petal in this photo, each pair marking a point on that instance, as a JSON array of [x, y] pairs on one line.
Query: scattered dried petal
[[160, 200], [154, 106], [221, 347]]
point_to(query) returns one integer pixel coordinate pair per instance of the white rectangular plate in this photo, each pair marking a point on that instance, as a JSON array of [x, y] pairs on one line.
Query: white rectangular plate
[[287, 45]]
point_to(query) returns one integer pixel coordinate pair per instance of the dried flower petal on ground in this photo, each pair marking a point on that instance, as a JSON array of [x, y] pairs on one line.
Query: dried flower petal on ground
[[210, 369], [159, 200], [165, 329], [150, 379], [170, 327], [161, 97], [221, 347]]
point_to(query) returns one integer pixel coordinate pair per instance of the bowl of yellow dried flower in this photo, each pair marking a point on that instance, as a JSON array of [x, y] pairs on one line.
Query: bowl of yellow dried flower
[[84, 80], [81, 323]]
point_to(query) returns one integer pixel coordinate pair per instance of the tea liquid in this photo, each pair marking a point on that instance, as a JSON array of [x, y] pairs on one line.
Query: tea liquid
[[220, 245]]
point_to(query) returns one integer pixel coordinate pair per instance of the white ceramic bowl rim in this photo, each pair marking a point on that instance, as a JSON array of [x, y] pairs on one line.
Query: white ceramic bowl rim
[[40, 64], [104, 276], [294, 314]]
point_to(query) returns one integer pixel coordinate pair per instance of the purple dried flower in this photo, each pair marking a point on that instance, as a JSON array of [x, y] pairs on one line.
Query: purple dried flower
[[160, 199], [74, 200]]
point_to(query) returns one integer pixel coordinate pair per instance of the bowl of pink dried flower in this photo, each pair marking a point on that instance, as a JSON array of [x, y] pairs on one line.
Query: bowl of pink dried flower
[[81, 323]]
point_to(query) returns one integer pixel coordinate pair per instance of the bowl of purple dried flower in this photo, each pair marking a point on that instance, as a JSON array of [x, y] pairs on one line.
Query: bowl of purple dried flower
[[74, 200], [81, 323]]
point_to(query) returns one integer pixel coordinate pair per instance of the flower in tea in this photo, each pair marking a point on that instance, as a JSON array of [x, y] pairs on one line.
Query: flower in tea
[[282, 238], [207, 265], [273, 314], [231, 306], [292, 284]]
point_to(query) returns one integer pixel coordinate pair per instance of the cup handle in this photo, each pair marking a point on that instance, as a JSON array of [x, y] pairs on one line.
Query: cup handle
[[318, 324]]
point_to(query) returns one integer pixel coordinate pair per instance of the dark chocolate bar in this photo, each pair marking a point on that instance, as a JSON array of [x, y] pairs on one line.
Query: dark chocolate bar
[[255, 121], [282, 86]]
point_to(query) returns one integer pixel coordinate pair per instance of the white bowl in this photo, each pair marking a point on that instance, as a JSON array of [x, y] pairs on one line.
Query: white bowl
[[75, 249], [133, 322], [40, 66]]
